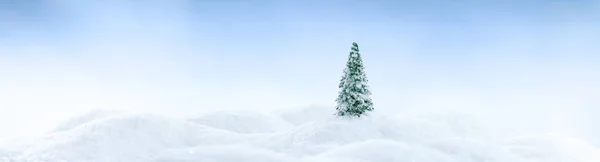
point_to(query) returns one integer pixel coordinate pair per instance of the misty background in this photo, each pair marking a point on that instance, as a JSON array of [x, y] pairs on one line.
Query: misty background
[[516, 66]]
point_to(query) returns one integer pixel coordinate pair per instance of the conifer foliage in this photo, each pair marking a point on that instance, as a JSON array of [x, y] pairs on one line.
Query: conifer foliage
[[354, 96]]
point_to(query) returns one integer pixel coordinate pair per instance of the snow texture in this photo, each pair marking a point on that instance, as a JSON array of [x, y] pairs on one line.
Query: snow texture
[[85, 118], [290, 136], [243, 122]]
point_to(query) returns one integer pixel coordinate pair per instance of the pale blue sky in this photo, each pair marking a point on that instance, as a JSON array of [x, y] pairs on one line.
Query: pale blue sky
[[534, 61]]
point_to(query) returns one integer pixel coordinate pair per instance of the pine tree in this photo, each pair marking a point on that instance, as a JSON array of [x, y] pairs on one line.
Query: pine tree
[[353, 98]]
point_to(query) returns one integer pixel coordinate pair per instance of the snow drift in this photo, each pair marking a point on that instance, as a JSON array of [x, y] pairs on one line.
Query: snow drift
[[85, 118], [283, 137], [242, 121], [129, 137]]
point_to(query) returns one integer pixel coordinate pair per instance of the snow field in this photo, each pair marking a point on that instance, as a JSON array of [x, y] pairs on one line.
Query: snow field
[[299, 135]]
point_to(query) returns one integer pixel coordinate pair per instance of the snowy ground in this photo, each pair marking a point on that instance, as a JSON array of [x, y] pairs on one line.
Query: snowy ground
[[304, 135]]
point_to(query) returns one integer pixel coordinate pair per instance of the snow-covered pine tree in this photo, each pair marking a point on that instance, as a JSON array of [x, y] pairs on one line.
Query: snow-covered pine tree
[[354, 96]]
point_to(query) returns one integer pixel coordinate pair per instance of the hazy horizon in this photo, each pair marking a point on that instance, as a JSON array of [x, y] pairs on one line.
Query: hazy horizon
[[520, 66]]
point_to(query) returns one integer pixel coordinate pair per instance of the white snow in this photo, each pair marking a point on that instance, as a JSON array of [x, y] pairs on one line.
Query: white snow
[[243, 121], [300, 135], [85, 118]]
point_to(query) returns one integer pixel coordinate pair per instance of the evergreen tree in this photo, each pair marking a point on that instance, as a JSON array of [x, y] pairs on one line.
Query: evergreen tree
[[353, 98]]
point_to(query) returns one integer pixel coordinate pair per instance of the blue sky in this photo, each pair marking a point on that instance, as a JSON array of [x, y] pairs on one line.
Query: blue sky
[[533, 61]]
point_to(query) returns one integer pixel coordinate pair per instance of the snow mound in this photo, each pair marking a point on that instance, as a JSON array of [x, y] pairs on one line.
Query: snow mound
[[553, 148], [123, 138], [243, 122], [85, 118], [228, 153], [343, 131], [317, 137], [306, 115], [254, 137], [382, 150]]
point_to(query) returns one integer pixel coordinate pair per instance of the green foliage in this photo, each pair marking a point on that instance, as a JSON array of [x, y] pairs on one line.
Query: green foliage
[[353, 98]]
